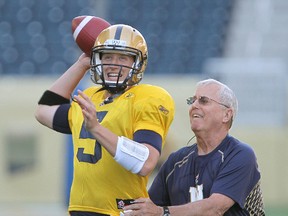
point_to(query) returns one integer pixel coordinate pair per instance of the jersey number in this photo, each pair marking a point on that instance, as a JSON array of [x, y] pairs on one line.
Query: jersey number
[[84, 134]]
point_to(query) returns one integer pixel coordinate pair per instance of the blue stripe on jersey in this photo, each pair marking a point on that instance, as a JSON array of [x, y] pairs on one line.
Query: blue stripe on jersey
[[60, 120], [149, 137], [118, 32]]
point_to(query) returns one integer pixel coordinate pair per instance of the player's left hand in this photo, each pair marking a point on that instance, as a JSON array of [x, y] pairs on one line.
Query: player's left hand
[[141, 207], [88, 110]]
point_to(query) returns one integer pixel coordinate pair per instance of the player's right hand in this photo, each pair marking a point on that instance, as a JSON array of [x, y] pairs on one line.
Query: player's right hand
[[84, 59]]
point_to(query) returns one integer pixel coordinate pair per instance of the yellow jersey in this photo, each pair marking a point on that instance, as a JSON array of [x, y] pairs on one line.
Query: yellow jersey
[[99, 181]]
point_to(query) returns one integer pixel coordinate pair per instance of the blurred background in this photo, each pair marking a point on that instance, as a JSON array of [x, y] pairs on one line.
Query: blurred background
[[242, 43]]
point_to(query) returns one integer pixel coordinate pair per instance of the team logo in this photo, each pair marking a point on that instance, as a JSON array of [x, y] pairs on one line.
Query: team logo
[[129, 95], [115, 42], [123, 202], [163, 110]]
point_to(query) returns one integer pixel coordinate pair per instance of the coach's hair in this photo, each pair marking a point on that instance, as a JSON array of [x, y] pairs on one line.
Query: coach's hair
[[226, 96]]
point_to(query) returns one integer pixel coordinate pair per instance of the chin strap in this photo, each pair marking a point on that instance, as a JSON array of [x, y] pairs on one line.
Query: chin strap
[[110, 99], [115, 90]]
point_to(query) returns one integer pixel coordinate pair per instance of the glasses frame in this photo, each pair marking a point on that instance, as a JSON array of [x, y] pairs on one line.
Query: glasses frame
[[203, 100]]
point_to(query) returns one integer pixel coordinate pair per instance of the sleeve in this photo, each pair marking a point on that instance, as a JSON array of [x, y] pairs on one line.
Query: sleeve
[[157, 191], [149, 137], [60, 120], [154, 111], [238, 176]]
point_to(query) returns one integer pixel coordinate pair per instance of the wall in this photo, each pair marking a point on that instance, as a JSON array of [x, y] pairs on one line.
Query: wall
[[42, 178], [32, 169]]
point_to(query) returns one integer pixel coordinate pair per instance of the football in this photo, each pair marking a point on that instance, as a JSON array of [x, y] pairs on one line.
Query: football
[[85, 30]]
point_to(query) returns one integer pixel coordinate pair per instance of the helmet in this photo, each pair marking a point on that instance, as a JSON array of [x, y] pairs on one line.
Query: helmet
[[121, 39]]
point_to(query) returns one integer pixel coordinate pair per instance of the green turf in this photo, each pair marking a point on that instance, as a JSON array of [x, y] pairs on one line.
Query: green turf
[[276, 211]]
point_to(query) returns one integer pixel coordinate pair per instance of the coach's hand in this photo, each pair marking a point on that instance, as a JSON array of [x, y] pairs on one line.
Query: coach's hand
[[143, 207]]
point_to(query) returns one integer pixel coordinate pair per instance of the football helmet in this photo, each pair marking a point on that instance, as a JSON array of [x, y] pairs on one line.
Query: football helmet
[[122, 39]]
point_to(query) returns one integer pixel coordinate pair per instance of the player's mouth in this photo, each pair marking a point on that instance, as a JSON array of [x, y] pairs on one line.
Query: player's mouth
[[113, 75]]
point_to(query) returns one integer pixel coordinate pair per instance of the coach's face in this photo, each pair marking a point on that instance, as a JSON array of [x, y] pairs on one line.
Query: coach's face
[[206, 114], [118, 66]]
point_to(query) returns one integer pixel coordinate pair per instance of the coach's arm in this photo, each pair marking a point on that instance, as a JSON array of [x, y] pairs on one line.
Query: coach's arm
[[215, 205]]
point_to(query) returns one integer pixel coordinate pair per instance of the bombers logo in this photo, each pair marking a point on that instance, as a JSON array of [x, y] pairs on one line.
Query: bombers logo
[[114, 42]]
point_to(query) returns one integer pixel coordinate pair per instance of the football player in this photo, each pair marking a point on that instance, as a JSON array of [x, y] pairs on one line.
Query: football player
[[118, 126]]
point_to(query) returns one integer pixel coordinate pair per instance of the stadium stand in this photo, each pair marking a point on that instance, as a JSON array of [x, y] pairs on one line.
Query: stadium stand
[[36, 39], [36, 35], [181, 34]]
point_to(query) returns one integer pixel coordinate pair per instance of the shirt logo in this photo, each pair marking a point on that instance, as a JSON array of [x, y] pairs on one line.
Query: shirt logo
[[129, 95], [163, 110], [123, 202]]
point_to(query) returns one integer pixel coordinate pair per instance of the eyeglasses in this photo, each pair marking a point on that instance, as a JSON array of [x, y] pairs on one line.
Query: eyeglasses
[[203, 100]]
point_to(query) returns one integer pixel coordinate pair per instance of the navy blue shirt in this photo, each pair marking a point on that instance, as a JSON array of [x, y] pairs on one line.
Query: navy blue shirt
[[231, 169]]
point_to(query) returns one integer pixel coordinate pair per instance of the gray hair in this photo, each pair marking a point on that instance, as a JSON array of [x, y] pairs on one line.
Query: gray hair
[[226, 95]]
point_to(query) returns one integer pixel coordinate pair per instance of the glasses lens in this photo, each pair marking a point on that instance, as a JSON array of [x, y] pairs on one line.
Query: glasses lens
[[190, 101], [203, 100]]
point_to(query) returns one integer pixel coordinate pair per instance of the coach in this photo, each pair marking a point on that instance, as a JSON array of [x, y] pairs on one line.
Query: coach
[[218, 175]]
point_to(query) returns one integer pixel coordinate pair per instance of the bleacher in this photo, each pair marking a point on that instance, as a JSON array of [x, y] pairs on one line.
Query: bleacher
[[36, 36], [36, 39], [181, 34]]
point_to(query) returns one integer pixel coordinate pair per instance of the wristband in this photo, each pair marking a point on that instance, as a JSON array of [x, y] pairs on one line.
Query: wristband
[[51, 98], [130, 154]]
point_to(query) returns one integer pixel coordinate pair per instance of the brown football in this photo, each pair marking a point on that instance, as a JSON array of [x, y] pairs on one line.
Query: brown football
[[86, 29]]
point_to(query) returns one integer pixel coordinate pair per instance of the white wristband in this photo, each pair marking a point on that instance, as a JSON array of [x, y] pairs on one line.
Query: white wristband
[[130, 154]]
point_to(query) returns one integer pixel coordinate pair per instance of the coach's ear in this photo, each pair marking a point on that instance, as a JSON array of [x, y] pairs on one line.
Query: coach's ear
[[228, 117]]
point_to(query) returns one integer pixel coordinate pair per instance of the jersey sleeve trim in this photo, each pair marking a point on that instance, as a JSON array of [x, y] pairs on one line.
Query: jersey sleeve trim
[[60, 120], [150, 137]]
